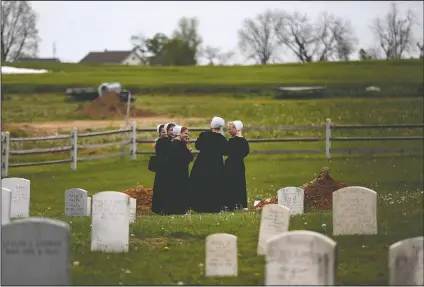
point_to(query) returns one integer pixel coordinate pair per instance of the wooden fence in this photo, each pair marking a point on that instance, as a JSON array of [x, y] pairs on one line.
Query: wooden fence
[[74, 147]]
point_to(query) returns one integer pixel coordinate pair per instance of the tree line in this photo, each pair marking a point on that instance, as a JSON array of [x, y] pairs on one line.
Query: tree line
[[265, 38]]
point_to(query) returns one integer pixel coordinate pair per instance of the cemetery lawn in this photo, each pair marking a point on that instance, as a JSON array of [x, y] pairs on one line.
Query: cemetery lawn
[[168, 250]]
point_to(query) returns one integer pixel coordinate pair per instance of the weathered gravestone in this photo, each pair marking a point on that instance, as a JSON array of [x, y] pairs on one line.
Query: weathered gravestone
[[354, 211], [133, 209], [293, 198], [300, 257], [20, 188], [6, 203], [88, 205], [76, 202], [221, 255], [36, 251], [406, 262], [275, 219], [110, 222]]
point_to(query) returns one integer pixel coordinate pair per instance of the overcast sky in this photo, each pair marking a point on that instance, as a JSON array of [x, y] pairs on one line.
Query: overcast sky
[[80, 27]]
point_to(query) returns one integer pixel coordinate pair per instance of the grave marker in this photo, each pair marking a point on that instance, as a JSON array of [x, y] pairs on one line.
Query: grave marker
[[221, 255], [110, 222], [300, 257], [36, 251], [293, 198], [76, 202], [20, 188], [6, 204], [275, 219], [133, 209], [354, 211], [88, 206]]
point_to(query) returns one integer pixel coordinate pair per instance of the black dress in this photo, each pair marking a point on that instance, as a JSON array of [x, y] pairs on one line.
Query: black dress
[[159, 186], [177, 188], [207, 174], [235, 173]]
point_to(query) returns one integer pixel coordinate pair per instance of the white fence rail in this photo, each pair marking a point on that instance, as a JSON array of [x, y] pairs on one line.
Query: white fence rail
[[74, 147]]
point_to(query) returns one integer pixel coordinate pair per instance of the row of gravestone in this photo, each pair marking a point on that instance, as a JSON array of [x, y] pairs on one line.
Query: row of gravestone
[[36, 251]]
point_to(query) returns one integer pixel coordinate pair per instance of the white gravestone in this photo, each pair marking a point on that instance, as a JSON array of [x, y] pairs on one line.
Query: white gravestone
[[354, 211], [406, 262], [293, 198], [88, 206], [20, 188], [110, 222], [36, 251], [133, 209], [221, 255], [76, 202], [6, 203], [275, 219], [300, 257]]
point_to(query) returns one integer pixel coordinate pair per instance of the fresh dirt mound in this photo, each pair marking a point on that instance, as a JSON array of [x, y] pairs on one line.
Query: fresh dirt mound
[[318, 193], [143, 197], [110, 106]]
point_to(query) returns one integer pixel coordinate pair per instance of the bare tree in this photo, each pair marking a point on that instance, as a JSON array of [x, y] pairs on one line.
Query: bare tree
[[421, 49], [225, 57], [257, 38], [394, 32], [19, 34], [210, 54]]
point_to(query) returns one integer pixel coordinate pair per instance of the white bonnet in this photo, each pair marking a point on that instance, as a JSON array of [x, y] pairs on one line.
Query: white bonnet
[[167, 124], [177, 130], [157, 127], [217, 123], [238, 125]]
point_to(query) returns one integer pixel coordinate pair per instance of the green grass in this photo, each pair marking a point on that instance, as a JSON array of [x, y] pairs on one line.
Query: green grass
[[168, 250], [393, 76]]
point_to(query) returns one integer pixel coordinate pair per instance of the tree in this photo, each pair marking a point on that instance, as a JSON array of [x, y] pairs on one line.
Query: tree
[[394, 32], [19, 34], [328, 38], [187, 34], [225, 57], [257, 38], [211, 54], [421, 49]]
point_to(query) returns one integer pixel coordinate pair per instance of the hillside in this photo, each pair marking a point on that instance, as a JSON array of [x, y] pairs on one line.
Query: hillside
[[343, 76]]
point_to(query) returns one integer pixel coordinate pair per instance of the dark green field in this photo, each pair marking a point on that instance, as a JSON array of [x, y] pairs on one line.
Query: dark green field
[[171, 250]]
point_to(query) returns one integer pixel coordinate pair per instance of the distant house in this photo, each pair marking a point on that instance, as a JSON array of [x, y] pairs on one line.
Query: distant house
[[51, 60], [131, 57]]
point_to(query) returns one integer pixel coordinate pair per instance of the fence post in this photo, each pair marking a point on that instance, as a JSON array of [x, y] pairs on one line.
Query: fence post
[[74, 149], [133, 140], [5, 141], [328, 139]]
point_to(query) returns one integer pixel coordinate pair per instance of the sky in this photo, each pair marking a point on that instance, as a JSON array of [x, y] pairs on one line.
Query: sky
[[78, 28]]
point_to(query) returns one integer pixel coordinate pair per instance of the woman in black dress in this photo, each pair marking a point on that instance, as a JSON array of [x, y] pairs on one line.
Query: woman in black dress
[[160, 182], [235, 172], [178, 160], [207, 174]]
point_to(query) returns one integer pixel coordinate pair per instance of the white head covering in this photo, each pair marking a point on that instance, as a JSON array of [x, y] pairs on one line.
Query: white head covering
[[157, 127], [177, 130], [238, 125], [217, 123], [167, 124]]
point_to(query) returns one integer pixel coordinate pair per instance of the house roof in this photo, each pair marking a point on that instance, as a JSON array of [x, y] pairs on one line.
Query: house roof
[[106, 57]]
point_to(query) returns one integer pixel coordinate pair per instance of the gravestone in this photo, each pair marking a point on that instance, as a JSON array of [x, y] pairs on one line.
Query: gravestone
[[300, 257], [133, 209], [76, 202], [110, 222], [293, 198], [36, 251], [6, 203], [275, 219], [354, 211], [221, 255], [20, 188], [88, 206], [406, 262]]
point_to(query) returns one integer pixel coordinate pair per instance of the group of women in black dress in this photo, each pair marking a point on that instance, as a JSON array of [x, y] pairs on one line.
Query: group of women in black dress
[[213, 185]]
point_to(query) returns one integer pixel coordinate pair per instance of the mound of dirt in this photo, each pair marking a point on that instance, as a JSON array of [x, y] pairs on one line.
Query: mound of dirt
[[143, 197], [110, 106], [318, 193]]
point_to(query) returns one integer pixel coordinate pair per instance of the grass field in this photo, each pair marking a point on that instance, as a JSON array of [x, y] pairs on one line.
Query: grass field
[[395, 77], [171, 250]]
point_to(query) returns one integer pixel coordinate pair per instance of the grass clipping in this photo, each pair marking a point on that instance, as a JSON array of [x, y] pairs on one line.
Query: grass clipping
[[143, 196], [318, 193], [109, 105]]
